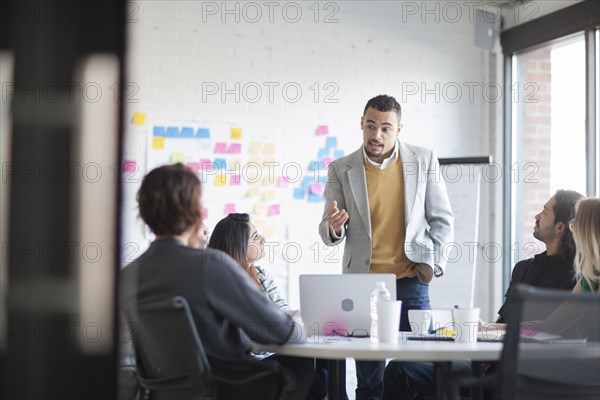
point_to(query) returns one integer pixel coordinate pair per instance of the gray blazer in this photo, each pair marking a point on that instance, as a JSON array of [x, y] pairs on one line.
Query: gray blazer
[[429, 218]]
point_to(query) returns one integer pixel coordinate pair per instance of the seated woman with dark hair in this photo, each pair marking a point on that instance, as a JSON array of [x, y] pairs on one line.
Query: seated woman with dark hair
[[223, 299], [237, 236]]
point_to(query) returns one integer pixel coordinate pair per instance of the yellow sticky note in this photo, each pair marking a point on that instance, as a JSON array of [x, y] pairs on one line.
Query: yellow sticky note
[[255, 148], [236, 164], [236, 133], [221, 180], [158, 143], [269, 194], [177, 157], [254, 191], [269, 148], [139, 118], [261, 208]]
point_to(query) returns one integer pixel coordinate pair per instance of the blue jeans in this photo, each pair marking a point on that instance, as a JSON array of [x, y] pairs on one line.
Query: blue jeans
[[369, 374]]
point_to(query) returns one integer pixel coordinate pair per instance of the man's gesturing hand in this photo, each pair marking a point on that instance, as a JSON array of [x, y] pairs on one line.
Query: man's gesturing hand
[[336, 218]]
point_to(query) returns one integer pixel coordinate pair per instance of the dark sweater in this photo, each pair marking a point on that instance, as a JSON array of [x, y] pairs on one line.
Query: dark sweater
[[543, 271], [222, 297]]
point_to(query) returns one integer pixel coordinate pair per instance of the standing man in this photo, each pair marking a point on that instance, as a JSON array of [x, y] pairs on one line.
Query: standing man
[[389, 201]]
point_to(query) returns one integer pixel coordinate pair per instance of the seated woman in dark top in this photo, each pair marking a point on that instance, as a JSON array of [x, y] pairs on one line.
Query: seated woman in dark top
[[220, 294]]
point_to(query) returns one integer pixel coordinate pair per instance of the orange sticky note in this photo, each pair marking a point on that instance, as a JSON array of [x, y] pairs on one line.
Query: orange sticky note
[[158, 143], [254, 191], [139, 118], [255, 148], [269, 148]]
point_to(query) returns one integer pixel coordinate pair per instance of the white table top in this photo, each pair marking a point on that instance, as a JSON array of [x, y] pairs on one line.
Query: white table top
[[333, 347]]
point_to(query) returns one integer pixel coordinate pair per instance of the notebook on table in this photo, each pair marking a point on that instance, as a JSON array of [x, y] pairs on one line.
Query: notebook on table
[[339, 305]]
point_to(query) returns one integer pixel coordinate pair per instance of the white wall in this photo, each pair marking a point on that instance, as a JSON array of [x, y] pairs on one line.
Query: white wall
[[370, 48]]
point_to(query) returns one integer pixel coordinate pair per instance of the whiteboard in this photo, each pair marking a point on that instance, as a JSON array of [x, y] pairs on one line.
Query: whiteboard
[[457, 285]]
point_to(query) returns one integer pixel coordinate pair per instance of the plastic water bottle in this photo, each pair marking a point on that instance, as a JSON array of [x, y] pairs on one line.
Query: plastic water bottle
[[380, 293]]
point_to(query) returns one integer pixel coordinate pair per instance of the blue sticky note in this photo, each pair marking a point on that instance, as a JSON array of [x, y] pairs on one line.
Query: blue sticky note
[[323, 153], [315, 165], [159, 131], [323, 179], [330, 142], [172, 132], [203, 133], [299, 193], [187, 132], [220, 163], [314, 198], [306, 181], [338, 153]]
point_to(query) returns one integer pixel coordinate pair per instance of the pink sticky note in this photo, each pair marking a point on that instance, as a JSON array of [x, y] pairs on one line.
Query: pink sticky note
[[235, 180], [130, 166], [235, 148], [282, 181], [204, 163], [204, 213], [316, 188], [221, 147], [274, 209], [194, 166], [229, 208], [322, 130], [327, 161]]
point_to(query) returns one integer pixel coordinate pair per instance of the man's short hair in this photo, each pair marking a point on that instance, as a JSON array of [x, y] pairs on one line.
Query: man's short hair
[[169, 200], [384, 103]]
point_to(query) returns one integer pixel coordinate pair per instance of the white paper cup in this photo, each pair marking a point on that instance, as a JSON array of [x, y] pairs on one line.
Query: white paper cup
[[419, 320], [388, 320], [466, 324]]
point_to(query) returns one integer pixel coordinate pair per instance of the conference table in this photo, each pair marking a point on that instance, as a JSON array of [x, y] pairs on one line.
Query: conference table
[[337, 349]]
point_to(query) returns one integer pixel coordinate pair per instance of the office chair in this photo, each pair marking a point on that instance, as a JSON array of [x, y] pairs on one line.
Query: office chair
[[172, 362], [551, 348]]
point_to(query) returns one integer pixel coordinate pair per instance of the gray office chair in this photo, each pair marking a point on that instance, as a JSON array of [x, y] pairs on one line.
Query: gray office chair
[[551, 349], [172, 362]]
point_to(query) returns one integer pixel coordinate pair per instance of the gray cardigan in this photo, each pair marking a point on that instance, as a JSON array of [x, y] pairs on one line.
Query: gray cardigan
[[227, 307]]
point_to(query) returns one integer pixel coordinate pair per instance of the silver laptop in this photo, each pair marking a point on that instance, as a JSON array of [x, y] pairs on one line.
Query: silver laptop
[[340, 304]]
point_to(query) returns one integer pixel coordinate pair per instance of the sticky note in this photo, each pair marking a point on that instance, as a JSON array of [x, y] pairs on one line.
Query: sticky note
[[306, 181], [158, 143], [194, 166], [203, 133], [316, 188], [204, 213], [255, 162], [274, 209], [282, 181], [269, 195], [159, 131], [129, 166], [260, 208], [299, 193], [315, 165], [327, 161], [205, 163], [221, 180], [229, 208], [235, 180], [338, 153], [323, 153], [235, 134], [220, 147], [322, 130], [314, 198], [235, 148], [187, 132], [172, 132], [139, 118], [254, 191], [255, 148], [235, 163], [330, 142], [220, 163], [177, 157], [269, 148]]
